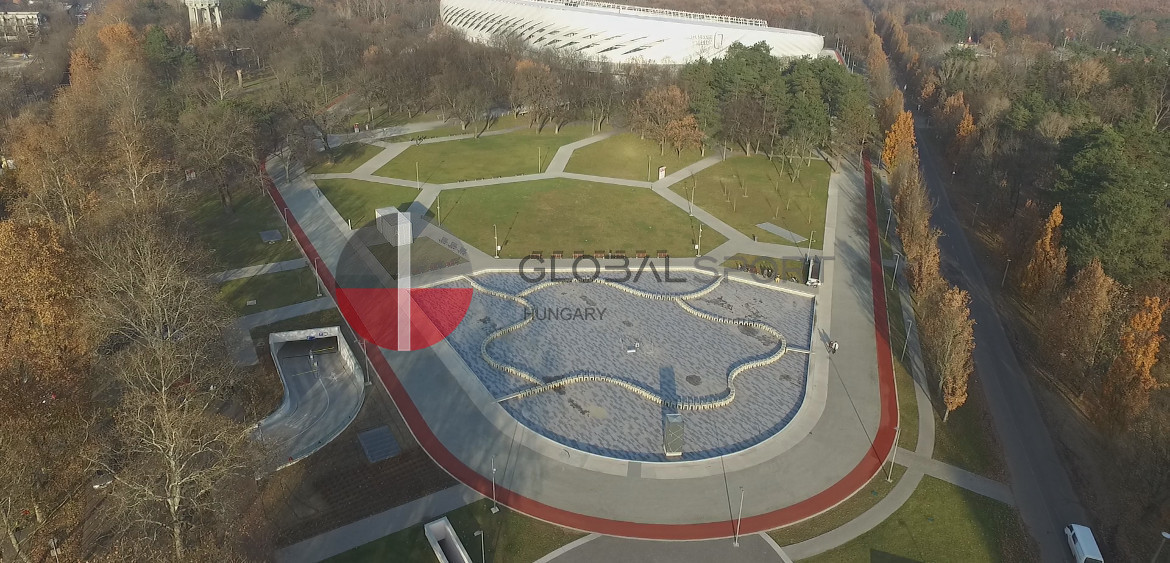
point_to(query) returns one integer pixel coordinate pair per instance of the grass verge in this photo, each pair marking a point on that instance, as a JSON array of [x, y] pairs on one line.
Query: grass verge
[[356, 200], [511, 154], [234, 238], [347, 158], [628, 156], [508, 536], [568, 215], [745, 191], [854, 506], [941, 522], [269, 291]]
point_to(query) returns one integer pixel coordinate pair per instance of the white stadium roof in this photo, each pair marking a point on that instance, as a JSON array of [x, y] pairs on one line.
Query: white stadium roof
[[621, 33]]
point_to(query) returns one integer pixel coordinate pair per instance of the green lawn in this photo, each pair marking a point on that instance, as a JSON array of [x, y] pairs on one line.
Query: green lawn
[[508, 536], [453, 127], [834, 518], [773, 196], [234, 238], [940, 522], [269, 291], [510, 154], [568, 215], [425, 255], [356, 200], [626, 156], [328, 317], [347, 158]]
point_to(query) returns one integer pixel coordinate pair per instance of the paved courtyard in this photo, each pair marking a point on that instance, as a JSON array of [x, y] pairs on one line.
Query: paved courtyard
[[580, 328]]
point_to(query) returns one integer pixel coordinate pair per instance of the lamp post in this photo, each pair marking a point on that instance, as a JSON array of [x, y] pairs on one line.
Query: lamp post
[[496, 240], [1005, 271], [893, 452], [897, 261], [699, 244], [889, 219], [482, 552], [906, 341], [287, 225], [417, 180], [317, 273], [1165, 536], [495, 504], [811, 236], [975, 215], [739, 521]]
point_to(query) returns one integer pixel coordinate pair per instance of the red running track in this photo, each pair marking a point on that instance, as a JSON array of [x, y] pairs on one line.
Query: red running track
[[822, 501]]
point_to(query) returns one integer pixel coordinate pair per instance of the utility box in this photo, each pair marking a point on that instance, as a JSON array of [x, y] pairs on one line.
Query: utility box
[[394, 225]]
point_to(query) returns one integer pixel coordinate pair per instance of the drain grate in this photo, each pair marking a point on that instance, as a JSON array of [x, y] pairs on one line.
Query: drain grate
[[379, 444]]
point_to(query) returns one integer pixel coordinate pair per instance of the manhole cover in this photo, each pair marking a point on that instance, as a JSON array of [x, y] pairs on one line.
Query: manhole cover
[[694, 379]]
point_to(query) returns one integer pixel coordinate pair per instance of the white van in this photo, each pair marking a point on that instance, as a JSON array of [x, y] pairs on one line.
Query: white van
[[1083, 545]]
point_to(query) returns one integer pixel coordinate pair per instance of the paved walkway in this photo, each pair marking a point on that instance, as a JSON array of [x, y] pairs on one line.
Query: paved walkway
[[379, 525], [259, 270]]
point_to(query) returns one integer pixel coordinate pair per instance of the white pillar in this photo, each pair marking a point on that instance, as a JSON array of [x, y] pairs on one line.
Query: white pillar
[[218, 18], [193, 16]]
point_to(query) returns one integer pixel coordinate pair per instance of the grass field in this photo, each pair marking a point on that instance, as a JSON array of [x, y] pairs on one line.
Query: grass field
[[269, 291], [453, 127], [773, 196], [940, 522], [347, 158], [508, 536], [381, 119], [851, 508], [425, 255], [568, 215], [356, 200], [234, 238], [625, 156], [495, 156]]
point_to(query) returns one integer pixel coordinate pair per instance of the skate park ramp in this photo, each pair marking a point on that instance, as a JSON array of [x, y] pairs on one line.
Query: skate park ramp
[[324, 387]]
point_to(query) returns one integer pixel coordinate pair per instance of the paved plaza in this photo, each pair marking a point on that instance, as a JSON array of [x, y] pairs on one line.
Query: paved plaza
[[654, 344]]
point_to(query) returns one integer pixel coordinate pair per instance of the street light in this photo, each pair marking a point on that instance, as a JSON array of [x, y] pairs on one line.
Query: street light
[[740, 520], [287, 226], [811, 236], [482, 553], [906, 341], [897, 261], [1165, 536], [495, 504], [1005, 271], [496, 240], [699, 244], [317, 272], [889, 219], [975, 215], [893, 453]]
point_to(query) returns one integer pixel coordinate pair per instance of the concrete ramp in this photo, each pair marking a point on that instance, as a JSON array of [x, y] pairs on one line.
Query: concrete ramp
[[324, 387]]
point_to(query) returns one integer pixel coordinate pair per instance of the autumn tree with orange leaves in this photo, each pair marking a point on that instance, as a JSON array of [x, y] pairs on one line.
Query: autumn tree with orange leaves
[[1048, 261], [900, 142], [949, 332], [1125, 394]]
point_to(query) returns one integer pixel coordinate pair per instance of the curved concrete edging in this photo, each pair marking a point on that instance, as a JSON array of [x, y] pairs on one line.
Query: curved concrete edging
[[855, 479]]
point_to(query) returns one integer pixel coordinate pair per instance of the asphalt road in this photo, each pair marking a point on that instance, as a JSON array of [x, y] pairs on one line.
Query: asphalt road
[[1043, 492]]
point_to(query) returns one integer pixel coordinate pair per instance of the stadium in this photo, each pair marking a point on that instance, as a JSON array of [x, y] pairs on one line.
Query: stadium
[[619, 33]]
